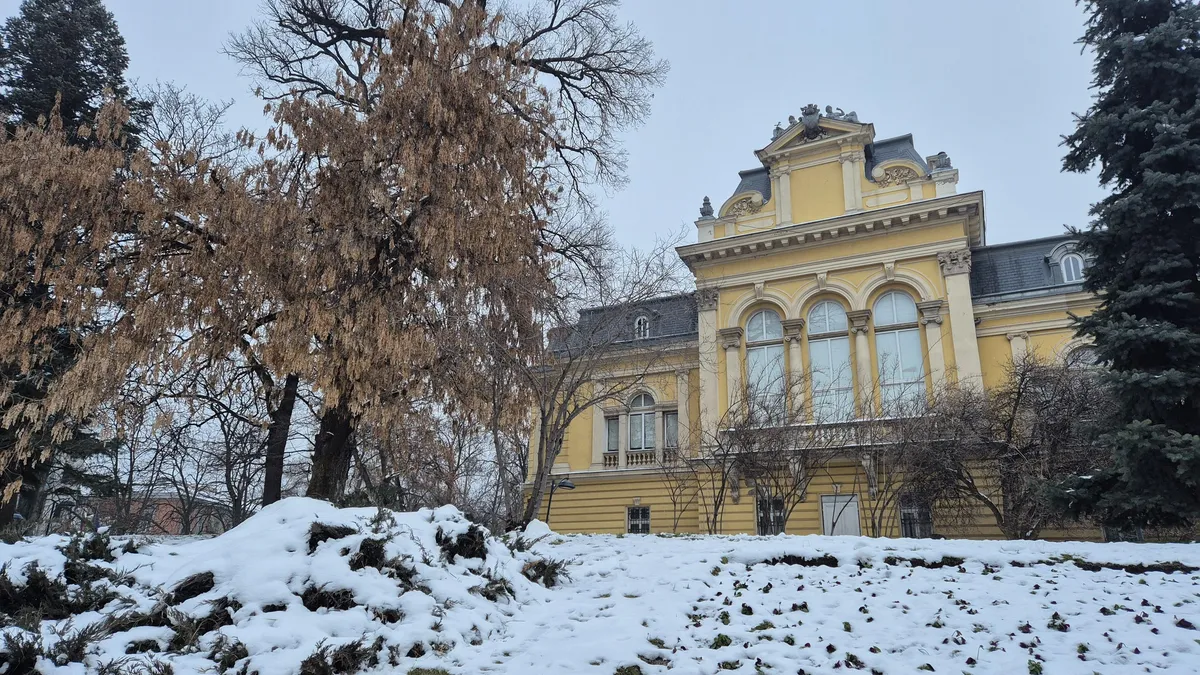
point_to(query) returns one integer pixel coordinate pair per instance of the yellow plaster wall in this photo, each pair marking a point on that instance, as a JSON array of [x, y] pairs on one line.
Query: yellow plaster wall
[[817, 192], [599, 506]]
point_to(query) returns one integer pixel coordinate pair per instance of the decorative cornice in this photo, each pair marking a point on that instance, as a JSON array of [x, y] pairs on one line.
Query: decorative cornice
[[931, 311], [859, 224], [730, 338], [793, 330], [707, 299], [955, 262], [860, 320]]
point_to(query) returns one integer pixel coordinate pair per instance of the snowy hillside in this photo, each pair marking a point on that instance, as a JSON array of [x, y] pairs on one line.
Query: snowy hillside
[[307, 588]]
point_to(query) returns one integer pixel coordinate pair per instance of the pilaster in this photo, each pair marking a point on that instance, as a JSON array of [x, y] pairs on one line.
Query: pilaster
[[731, 342], [793, 332], [956, 269], [931, 319], [860, 321], [707, 300]]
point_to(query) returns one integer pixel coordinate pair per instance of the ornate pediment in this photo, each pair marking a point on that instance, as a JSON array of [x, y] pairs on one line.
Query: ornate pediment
[[814, 127]]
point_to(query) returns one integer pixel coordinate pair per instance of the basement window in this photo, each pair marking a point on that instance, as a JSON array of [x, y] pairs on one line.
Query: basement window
[[638, 520]]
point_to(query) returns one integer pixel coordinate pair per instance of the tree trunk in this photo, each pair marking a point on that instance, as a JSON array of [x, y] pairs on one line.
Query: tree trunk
[[332, 452], [277, 438]]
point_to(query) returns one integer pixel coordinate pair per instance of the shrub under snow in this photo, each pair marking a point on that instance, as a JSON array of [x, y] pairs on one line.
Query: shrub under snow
[[305, 588]]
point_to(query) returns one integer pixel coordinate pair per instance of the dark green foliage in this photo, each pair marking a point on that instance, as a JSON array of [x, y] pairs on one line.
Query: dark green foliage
[[97, 546], [820, 561], [349, 658], [227, 652], [545, 571], [191, 587], [370, 554], [67, 48], [143, 646], [20, 652], [628, 670], [73, 647], [1143, 134], [50, 597], [470, 544], [722, 640], [320, 532], [316, 598], [188, 630]]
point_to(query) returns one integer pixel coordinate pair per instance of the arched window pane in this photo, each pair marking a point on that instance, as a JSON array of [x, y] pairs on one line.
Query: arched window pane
[[1072, 268], [764, 325], [642, 401], [766, 386], [641, 328], [895, 308], [826, 317]]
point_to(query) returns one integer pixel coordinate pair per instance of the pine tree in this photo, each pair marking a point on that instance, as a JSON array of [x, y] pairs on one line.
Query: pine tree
[[1143, 134], [67, 48], [66, 53]]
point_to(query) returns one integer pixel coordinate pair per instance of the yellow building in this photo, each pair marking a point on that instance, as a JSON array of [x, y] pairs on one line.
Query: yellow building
[[847, 263]]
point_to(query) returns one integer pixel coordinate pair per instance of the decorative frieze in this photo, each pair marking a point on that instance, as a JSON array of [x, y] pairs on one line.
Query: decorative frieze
[[745, 206], [955, 262], [896, 175]]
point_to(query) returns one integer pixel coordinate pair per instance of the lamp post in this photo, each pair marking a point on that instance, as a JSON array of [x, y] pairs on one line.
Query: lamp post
[[564, 484]]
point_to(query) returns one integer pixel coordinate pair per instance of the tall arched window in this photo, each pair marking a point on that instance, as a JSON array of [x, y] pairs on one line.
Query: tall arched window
[[764, 365], [641, 328], [641, 422], [899, 352], [829, 363], [1072, 268]]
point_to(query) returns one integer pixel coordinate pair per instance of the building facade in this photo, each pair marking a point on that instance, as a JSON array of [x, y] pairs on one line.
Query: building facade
[[849, 268]]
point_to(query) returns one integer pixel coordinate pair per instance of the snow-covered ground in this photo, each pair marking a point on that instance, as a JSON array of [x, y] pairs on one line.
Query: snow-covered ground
[[648, 604]]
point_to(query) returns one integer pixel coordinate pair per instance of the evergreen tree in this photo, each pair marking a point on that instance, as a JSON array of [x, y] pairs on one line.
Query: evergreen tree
[[50, 48], [1143, 134], [69, 52]]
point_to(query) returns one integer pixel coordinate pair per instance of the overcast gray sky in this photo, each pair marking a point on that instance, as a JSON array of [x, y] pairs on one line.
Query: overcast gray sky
[[991, 83]]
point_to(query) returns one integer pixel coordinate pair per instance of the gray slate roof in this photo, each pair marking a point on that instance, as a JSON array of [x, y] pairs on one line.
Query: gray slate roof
[[673, 318], [1017, 268], [900, 147], [758, 180]]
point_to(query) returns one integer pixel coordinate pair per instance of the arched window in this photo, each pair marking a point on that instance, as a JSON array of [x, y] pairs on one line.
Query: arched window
[[641, 422], [764, 365], [641, 328], [829, 363], [898, 350], [1072, 268]]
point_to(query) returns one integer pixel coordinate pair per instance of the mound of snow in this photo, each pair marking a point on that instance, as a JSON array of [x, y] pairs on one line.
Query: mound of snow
[[298, 576], [304, 588]]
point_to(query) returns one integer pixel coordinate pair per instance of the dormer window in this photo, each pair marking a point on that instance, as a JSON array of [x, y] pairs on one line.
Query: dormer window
[[1072, 268], [641, 328]]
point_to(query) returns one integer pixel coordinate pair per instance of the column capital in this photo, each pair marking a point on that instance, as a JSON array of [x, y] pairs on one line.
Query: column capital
[[707, 299], [931, 311], [730, 338], [793, 329], [682, 372], [859, 319], [1017, 335], [955, 262]]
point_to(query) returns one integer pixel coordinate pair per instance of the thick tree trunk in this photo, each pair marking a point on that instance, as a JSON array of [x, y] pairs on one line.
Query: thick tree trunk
[[277, 438], [332, 453]]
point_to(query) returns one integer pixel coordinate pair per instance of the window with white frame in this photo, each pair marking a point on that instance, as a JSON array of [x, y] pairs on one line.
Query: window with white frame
[[637, 520], [829, 363], [641, 328], [899, 353], [764, 364], [641, 422], [671, 429], [1071, 265], [612, 426]]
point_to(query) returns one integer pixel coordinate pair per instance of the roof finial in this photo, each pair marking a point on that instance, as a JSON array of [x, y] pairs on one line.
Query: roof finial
[[706, 209], [777, 131]]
